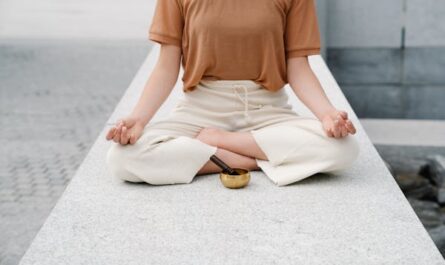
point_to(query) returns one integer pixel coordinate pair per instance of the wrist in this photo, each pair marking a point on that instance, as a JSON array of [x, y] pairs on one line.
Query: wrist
[[141, 120], [326, 113]]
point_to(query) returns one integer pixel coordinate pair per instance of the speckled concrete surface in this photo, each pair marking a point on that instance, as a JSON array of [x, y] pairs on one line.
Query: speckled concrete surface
[[357, 217]]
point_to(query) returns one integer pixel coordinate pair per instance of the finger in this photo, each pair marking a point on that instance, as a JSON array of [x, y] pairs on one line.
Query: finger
[[344, 131], [132, 138], [117, 136], [335, 129], [335, 132], [119, 122], [350, 127], [125, 123], [341, 121], [110, 133], [326, 129], [341, 127], [329, 133], [124, 135], [130, 122], [344, 114]]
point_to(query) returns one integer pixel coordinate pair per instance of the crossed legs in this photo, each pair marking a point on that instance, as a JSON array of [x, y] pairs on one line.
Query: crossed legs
[[238, 149], [285, 152]]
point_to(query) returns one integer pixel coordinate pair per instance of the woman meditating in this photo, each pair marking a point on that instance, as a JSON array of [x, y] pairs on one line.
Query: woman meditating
[[237, 56]]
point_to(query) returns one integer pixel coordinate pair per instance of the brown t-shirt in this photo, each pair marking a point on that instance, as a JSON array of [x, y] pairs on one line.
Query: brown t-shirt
[[237, 39]]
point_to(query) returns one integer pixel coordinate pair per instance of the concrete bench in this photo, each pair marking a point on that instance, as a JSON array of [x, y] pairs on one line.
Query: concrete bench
[[359, 216]]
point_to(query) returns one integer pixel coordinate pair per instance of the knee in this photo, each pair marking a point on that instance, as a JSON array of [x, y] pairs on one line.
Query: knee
[[343, 152], [117, 161]]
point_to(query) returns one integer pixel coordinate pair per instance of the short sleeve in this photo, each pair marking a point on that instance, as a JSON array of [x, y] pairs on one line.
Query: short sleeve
[[167, 23], [302, 35]]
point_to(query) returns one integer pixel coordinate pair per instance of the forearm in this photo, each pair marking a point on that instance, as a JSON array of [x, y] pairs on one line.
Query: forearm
[[307, 87], [157, 89]]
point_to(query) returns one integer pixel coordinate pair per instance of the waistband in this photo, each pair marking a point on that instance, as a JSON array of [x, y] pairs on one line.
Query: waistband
[[235, 86], [223, 84]]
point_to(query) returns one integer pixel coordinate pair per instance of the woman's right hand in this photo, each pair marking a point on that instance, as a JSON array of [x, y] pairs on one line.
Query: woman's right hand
[[126, 131]]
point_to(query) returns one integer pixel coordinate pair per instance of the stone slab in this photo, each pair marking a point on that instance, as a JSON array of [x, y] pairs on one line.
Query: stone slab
[[405, 132], [357, 216]]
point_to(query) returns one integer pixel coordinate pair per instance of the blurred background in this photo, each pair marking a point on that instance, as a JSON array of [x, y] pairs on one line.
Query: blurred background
[[64, 65]]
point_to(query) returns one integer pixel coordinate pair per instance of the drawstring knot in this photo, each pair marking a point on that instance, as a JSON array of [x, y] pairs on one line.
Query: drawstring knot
[[245, 101]]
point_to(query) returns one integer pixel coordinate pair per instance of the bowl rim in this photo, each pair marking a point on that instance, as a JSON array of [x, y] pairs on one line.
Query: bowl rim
[[237, 169]]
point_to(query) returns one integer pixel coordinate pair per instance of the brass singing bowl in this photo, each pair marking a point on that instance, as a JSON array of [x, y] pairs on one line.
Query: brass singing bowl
[[235, 181]]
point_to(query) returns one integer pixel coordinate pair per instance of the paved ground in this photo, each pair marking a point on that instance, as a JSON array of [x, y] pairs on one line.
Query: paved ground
[[63, 67], [55, 98], [81, 19]]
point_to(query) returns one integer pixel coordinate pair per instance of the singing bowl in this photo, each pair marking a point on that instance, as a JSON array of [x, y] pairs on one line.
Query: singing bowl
[[235, 181]]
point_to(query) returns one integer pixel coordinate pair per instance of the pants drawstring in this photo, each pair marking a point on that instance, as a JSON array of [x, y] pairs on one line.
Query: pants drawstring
[[245, 101]]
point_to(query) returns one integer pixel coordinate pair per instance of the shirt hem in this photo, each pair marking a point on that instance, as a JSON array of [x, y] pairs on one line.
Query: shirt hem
[[303, 52], [161, 38]]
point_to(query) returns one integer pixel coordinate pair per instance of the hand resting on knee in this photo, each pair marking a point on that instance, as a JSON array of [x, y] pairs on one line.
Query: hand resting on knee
[[127, 130]]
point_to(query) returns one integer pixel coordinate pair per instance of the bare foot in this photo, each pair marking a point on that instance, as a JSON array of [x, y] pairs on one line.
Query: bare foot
[[241, 143], [211, 135], [232, 159], [215, 137]]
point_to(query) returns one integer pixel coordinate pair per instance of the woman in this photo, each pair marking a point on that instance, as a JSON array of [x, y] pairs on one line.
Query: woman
[[237, 56]]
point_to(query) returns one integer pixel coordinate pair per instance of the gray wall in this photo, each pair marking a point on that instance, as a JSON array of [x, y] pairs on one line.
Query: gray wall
[[388, 56]]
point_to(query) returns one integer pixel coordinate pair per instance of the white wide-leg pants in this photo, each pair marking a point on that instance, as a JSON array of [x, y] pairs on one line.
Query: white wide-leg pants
[[168, 152]]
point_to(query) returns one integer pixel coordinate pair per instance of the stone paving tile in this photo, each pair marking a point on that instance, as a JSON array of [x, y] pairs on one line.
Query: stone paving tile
[[55, 99]]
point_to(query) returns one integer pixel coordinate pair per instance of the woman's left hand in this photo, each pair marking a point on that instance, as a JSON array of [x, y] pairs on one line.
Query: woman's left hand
[[336, 124]]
